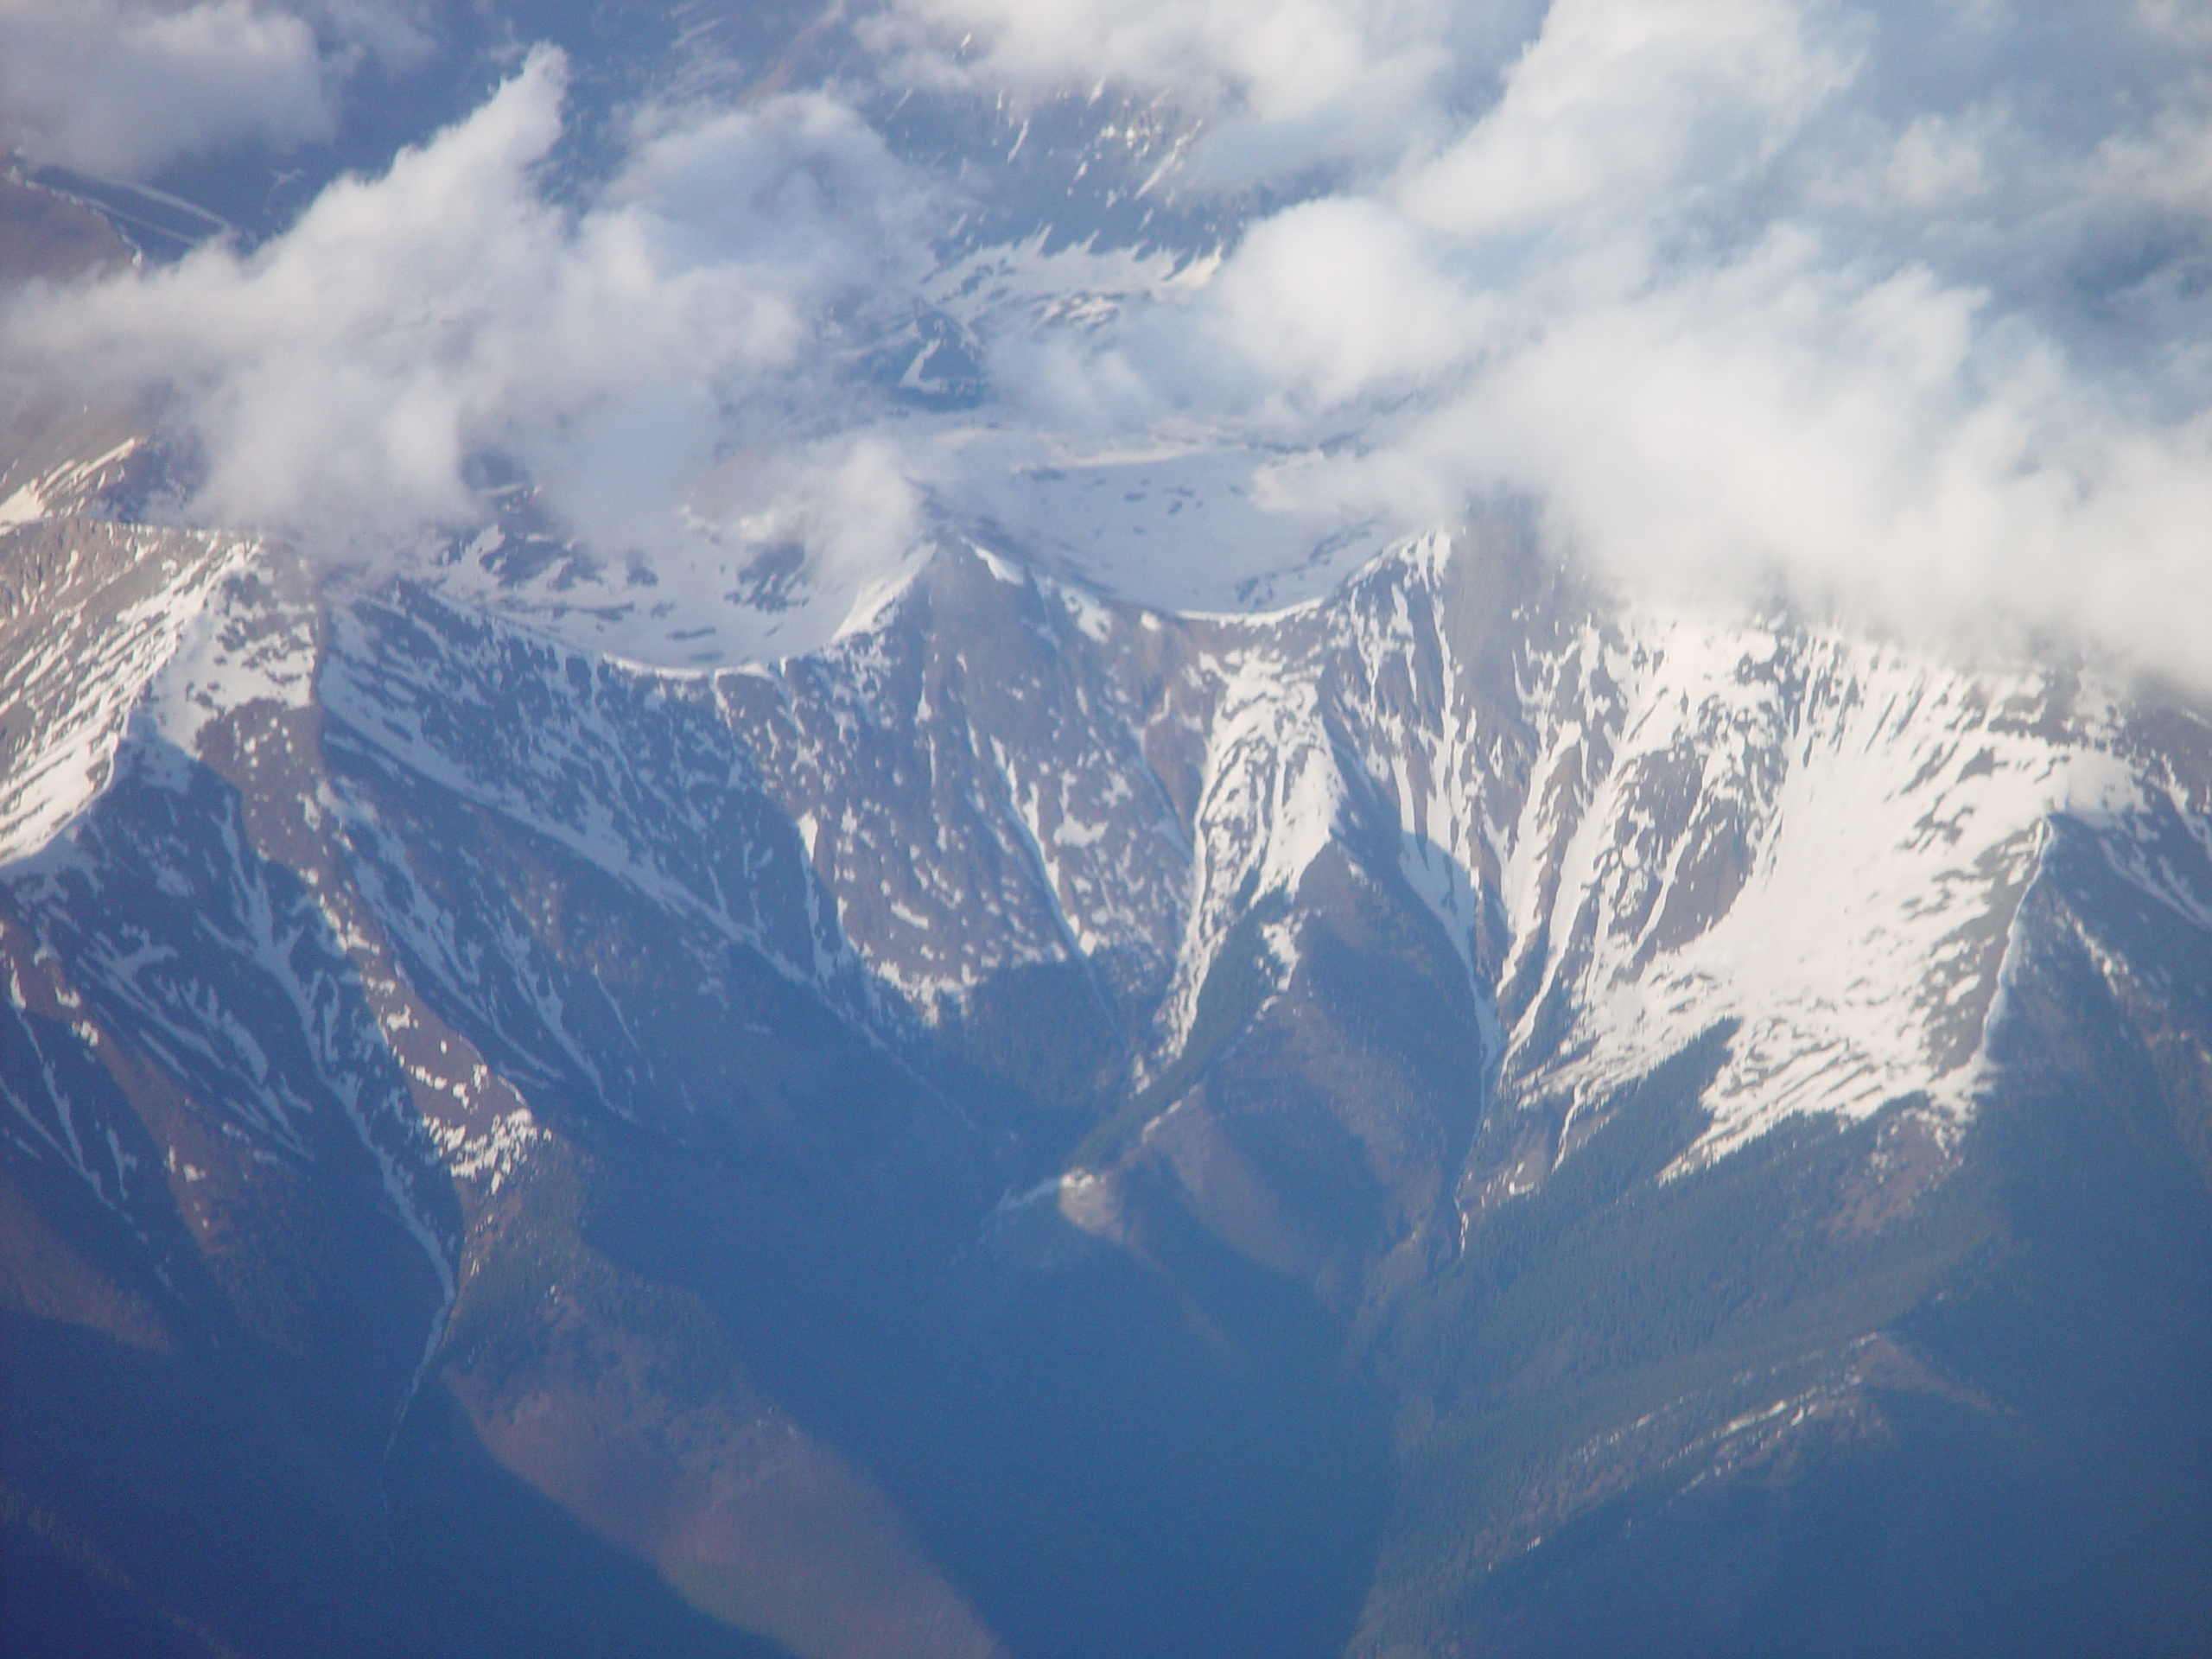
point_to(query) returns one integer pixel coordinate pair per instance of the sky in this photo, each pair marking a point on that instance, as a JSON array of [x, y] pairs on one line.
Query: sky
[[1895, 312]]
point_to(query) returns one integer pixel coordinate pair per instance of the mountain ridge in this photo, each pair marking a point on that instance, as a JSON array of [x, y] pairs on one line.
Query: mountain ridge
[[1304, 961]]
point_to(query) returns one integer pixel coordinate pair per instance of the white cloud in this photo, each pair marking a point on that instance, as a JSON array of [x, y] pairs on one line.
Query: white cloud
[[1619, 103], [339, 380], [1897, 309], [1281, 85], [1339, 298], [848, 501], [122, 87], [1900, 309], [340, 369], [1879, 444], [1284, 59]]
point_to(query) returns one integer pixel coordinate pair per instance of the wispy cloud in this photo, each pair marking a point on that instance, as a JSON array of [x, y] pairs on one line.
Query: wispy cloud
[[1899, 309], [124, 88], [340, 381]]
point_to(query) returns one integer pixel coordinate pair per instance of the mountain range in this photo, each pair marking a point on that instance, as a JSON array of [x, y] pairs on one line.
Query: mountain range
[[1467, 1109], [770, 887]]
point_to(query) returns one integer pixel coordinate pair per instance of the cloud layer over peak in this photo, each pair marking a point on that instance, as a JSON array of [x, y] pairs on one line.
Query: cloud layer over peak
[[1897, 309], [342, 382]]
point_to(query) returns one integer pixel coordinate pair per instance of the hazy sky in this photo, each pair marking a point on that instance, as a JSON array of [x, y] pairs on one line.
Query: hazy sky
[[1903, 309]]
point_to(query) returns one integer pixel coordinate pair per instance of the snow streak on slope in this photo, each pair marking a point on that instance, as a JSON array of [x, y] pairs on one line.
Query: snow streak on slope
[[1823, 840], [218, 963], [88, 613], [1634, 824], [971, 780], [1631, 825]]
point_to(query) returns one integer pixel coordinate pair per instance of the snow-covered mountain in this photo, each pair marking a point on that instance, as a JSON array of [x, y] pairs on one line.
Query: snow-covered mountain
[[810, 848], [741, 1100]]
